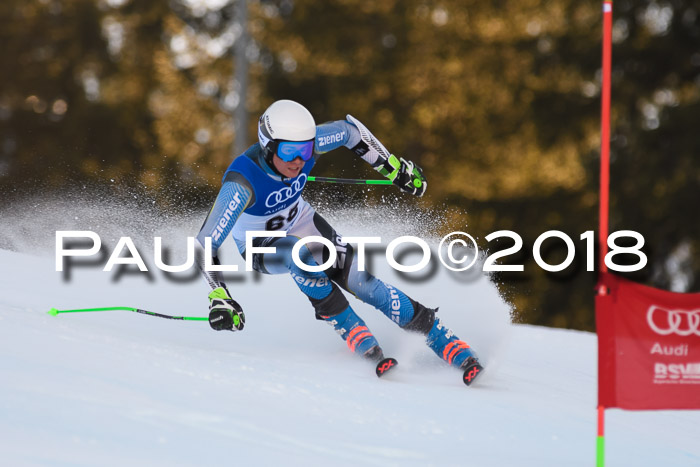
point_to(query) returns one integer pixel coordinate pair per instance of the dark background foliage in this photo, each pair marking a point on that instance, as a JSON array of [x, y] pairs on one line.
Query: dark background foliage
[[499, 102]]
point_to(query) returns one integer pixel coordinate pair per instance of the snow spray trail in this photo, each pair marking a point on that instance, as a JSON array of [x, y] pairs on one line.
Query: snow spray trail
[[482, 318], [118, 388]]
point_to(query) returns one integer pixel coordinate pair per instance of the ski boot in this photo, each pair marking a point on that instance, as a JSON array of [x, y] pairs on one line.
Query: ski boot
[[360, 340], [356, 334], [454, 351], [448, 346]]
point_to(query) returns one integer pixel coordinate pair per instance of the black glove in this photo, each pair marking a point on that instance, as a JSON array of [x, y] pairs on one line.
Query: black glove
[[406, 175], [410, 178], [225, 314]]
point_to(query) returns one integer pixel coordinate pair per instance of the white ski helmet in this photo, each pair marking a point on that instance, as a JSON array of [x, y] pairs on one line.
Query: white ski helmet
[[284, 120]]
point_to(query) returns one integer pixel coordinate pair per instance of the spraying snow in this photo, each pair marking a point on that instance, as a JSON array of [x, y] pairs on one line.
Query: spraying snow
[[117, 387]]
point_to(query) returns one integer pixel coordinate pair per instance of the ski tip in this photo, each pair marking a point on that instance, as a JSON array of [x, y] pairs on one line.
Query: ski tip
[[471, 372], [385, 365], [53, 312]]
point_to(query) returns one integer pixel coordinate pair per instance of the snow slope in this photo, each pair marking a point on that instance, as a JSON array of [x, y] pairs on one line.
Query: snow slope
[[117, 387]]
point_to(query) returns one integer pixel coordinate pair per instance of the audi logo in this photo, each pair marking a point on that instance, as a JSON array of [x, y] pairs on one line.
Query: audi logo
[[286, 193], [680, 322]]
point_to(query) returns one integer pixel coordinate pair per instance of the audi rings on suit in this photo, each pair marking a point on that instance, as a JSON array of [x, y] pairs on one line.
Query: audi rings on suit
[[286, 193]]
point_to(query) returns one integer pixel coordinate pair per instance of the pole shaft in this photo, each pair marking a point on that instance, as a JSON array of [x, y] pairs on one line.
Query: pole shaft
[[352, 181], [240, 77], [605, 134], [600, 442], [88, 310], [604, 186], [183, 318], [55, 312]]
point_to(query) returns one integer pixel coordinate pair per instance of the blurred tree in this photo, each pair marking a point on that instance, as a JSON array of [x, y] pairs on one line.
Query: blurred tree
[[51, 68], [497, 100], [655, 147], [486, 96]]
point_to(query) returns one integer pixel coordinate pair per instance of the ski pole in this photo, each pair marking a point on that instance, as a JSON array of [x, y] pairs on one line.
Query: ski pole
[[353, 181], [55, 312]]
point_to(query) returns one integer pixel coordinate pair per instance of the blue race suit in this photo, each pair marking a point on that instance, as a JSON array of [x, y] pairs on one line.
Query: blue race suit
[[254, 197]]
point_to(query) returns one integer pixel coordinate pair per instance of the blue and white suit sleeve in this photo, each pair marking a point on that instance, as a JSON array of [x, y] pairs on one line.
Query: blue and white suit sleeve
[[332, 135], [232, 200], [352, 134]]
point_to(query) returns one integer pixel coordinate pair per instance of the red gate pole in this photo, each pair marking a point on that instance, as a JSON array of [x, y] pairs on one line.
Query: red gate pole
[[600, 441], [605, 135], [604, 189]]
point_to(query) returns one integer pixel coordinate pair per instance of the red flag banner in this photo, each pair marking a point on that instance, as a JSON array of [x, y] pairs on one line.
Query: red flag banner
[[648, 346]]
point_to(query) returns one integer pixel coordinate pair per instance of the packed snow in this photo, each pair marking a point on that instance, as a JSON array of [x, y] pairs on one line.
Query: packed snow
[[121, 388]]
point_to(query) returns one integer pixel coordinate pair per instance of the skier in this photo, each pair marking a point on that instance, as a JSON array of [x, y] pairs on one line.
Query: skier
[[261, 191]]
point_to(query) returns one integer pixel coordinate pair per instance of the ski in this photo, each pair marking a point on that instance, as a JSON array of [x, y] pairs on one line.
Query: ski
[[472, 370], [385, 365]]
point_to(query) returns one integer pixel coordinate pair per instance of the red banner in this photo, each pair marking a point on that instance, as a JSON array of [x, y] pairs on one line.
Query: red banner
[[648, 347]]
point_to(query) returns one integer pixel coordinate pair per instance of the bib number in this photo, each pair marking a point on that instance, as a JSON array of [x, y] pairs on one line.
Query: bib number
[[277, 222]]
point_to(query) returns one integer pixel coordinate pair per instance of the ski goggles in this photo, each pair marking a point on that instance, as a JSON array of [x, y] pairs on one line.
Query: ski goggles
[[290, 150]]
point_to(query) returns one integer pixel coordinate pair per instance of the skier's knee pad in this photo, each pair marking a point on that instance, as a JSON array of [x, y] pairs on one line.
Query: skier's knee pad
[[333, 304], [423, 318]]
